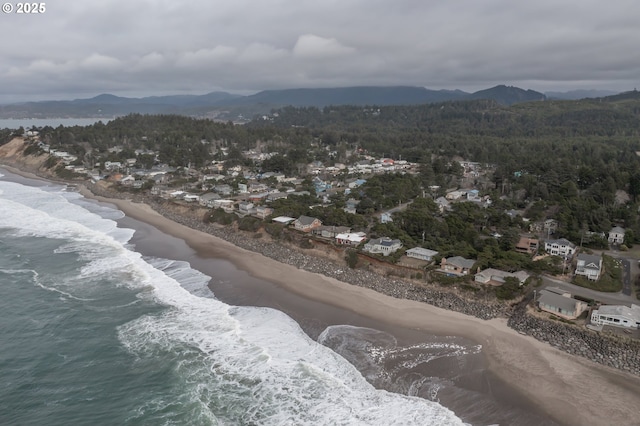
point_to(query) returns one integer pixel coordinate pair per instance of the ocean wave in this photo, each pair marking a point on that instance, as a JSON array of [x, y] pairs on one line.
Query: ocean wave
[[238, 365]]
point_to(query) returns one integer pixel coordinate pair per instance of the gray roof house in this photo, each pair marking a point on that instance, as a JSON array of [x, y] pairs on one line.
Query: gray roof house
[[561, 305], [383, 245], [421, 253], [456, 265], [589, 266]]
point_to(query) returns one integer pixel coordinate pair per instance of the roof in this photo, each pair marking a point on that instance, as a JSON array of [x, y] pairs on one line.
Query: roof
[[422, 251], [384, 241], [558, 301], [616, 230], [306, 220], [461, 262], [561, 242], [352, 236], [283, 219], [590, 259], [632, 313], [501, 275]]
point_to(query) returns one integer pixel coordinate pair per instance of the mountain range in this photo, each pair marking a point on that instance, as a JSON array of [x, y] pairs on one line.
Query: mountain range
[[223, 105]]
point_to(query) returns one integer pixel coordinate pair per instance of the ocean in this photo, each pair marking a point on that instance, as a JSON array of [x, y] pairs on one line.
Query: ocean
[[28, 123], [95, 333]]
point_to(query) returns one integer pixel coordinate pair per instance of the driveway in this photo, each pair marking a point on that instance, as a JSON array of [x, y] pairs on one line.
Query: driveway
[[619, 298]]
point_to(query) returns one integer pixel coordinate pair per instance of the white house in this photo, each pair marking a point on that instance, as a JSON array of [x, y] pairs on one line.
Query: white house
[[561, 247], [421, 253], [589, 266], [616, 235], [617, 316], [351, 238], [383, 245]]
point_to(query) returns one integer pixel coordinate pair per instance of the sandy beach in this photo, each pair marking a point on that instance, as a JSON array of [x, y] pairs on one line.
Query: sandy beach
[[572, 390], [569, 389]]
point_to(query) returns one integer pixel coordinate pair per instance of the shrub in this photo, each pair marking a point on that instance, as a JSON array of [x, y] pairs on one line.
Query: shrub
[[352, 258]]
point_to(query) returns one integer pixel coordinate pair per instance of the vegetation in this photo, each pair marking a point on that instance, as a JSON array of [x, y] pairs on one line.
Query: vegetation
[[610, 279]]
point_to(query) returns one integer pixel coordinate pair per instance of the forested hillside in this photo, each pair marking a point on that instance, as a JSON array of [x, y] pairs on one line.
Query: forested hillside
[[576, 161]]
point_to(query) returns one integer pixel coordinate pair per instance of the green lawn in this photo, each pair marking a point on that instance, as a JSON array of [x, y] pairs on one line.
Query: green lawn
[[610, 280]]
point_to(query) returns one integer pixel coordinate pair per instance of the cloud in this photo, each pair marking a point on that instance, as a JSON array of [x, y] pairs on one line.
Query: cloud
[[313, 46], [244, 45]]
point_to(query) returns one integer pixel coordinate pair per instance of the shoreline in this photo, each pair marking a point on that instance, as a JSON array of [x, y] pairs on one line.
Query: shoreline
[[570, 389]]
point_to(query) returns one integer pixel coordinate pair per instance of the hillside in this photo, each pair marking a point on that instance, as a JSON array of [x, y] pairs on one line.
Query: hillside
[[226, 106]]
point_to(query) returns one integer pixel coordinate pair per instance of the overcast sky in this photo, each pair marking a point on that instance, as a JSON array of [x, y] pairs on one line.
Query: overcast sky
[[80, 48]]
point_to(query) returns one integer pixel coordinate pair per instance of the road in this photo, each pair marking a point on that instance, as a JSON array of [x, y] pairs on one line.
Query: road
[[606, 298]]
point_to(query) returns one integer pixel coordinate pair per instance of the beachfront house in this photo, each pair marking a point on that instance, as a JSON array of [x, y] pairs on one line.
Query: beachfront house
[[456, 265], [306, 223], [589, 266], [383, 245], [617, 316], [497, 277], [560, 304], [330, 231], [351, 238], [421, 254]]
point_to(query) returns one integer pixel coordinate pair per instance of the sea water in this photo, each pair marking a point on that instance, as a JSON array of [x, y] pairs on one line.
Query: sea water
[[92, 332]]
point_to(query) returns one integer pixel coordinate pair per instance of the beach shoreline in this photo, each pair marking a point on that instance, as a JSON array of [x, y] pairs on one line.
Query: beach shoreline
[[563, 386]]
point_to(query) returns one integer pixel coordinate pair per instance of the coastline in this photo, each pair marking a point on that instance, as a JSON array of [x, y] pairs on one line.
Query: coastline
[[570, 389]]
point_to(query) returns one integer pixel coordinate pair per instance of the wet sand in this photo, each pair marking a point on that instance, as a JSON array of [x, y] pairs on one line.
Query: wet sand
[[532, 375], [569, 389]]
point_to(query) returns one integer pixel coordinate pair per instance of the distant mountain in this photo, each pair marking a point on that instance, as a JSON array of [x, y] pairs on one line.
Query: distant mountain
[[364, 95], [508, 95], [624, 96], [226, 106], [579, 94]]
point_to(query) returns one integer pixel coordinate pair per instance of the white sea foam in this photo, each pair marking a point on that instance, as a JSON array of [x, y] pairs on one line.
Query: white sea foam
[[234, 364]]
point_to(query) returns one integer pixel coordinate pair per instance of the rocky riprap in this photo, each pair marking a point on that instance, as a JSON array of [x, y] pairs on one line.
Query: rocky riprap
[[623, 354]]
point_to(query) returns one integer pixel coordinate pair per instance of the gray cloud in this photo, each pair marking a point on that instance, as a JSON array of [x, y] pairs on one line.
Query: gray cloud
[[78, 49]]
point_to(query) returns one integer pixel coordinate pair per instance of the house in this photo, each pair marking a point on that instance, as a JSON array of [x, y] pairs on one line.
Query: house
[[226, 205], [350, 206], [443, 204], [421, 253], [527, 245], [561, 247], [191, 198], [589, 266], [327, 231], [383, 245], [617, 316], [351, 238], [456, 265], [562, 305], [497, 277], [285, 220], [455, 195], [306, 223], [616, 235], [246, 207], [223, 189], [386, 217], [206, 200], [262, 212], [549, 226], [473, 195]]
